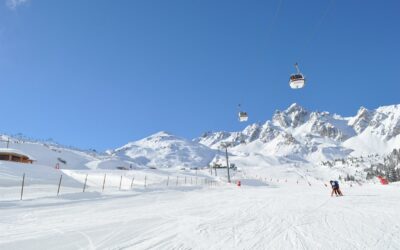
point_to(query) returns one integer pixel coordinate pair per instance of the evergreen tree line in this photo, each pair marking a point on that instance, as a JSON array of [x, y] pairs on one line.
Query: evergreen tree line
[[390, 168]]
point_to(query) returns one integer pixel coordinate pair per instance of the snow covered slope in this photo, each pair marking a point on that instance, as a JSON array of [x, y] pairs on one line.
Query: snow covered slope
[[50, 154], [276, 216], [163, 150]]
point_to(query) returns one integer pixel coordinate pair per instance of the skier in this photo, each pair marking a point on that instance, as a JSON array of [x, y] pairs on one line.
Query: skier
[[334, 191], [338, 188], [335, 188]]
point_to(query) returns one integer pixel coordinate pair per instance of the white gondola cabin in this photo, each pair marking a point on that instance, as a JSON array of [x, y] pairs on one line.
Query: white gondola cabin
[[297, 81], [243, 117]]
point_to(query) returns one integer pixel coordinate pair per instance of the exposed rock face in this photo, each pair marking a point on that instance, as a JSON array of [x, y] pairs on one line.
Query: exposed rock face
[[362, 120], [268, 132], [293, 117], [383, 122], [298, 131]]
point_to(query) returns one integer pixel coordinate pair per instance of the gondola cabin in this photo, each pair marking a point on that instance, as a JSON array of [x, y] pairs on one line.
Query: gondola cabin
[[243, 117], [297, 81]]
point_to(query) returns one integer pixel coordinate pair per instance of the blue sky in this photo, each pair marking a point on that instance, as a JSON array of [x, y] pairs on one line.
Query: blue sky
[[97, 74]]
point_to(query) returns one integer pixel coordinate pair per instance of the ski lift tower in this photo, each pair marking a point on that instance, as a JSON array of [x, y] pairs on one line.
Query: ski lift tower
[[225, 145]]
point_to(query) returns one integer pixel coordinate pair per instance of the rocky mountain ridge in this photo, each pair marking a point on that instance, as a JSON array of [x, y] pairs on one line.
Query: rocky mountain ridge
[[316, 135]]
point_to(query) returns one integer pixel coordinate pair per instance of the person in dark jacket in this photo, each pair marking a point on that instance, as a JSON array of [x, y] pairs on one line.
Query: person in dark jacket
[[338, 188], [335, 188]]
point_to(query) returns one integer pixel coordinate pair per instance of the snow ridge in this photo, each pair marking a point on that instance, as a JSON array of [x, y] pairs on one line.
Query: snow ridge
[[316, 136]]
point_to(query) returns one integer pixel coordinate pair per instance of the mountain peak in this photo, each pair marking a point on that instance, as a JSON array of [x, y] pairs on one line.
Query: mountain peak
[[294, 108], [161, 134], [163, 149], [294, 116]]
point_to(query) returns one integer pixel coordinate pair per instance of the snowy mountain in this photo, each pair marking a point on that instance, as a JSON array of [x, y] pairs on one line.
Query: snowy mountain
[[292, 135], [377, 130], [298, 134], [163, 150]]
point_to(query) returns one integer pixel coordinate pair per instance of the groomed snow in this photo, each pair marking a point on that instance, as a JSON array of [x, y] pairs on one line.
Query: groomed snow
[[258, 215]]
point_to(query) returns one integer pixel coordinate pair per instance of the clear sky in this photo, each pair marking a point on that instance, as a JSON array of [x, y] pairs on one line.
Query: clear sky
[[100, 73]]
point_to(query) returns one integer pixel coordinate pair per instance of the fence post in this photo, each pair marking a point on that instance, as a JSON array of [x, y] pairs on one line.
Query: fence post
[[120, 183], [59, 185], [84, 186], [177, 181], [22, 186], [191, 181], [185, 180], [133, 178], [104, 183], [145, 181], [167, 181]]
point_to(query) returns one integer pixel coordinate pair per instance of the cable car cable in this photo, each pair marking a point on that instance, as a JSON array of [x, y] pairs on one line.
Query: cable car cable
[[316, 30]]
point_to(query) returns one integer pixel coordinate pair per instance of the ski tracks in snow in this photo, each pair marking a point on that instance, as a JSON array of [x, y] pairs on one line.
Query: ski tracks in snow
[[263, 217]]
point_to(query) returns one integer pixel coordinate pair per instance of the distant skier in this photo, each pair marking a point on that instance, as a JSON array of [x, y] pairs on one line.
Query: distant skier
[[338, 188], [335, 188]]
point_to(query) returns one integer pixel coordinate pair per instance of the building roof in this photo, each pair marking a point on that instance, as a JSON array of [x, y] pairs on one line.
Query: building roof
[[15, 151]]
